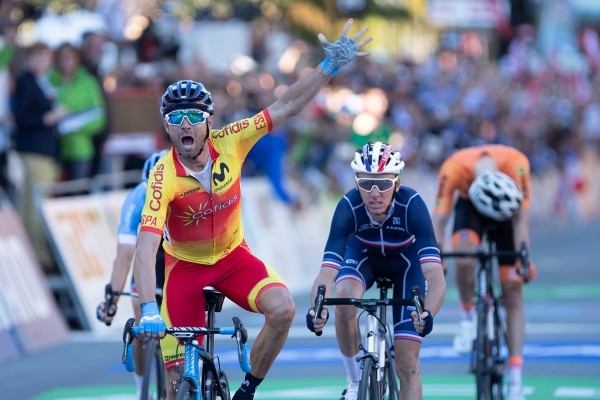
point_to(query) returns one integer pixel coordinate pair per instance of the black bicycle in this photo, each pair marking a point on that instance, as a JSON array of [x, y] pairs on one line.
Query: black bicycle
[[213, 383], [378, 377], [487, 360], [154, 380]]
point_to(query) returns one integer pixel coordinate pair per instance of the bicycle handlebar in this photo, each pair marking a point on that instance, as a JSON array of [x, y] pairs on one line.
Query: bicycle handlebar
[[369, 304], [319, 301], [108, 302], [237, 331], [483, 255]]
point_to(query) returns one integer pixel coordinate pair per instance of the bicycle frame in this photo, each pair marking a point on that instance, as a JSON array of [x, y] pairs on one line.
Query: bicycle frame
[[486, 361], [214, 380], [377, 361]]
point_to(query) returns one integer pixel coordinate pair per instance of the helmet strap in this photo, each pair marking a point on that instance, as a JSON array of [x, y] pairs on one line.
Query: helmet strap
[[203, 143]]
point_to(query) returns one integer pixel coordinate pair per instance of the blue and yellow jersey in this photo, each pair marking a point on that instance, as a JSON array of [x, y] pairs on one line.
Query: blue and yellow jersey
[[199, 226]]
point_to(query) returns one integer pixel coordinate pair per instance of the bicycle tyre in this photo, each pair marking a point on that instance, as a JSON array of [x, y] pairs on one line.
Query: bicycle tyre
[[368, 387], [224, 385], [389, 384], [185, 390], [482, 352], [154, 383], [497, 372]]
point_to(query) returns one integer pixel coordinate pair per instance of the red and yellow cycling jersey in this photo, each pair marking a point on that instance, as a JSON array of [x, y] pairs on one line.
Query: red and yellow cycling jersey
[[199, 226], [457, 173]]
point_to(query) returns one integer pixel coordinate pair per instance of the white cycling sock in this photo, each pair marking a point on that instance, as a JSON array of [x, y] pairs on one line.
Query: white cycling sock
[[468, 315], [139, 379], [514, 375], [352, 368]]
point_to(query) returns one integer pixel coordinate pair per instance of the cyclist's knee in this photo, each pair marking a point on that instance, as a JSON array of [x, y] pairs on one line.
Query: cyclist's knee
[[407, 366], [279, 307], [512, 295], [510, 273]]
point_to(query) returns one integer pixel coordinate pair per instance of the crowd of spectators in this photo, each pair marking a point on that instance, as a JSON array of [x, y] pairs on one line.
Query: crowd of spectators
[[462, 95]]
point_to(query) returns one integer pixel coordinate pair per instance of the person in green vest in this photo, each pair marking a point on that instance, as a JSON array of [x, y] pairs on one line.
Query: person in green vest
[[81, 94]]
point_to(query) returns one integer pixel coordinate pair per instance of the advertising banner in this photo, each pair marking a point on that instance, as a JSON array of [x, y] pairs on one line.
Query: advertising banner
[[29, 317], [83, 230]]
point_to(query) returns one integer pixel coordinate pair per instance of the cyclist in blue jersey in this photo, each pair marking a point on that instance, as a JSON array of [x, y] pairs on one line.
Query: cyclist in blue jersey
[[127, 231], [381, 228]]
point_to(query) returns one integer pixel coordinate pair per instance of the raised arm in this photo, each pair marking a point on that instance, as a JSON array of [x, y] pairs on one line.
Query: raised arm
[[337, 55]]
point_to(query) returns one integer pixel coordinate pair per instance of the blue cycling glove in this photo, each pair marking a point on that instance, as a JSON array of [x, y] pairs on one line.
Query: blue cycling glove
[[338, 54], [151, 321], [427, 328]]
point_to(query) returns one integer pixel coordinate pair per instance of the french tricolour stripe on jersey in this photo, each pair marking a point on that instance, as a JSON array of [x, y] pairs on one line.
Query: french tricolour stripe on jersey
[[389, 245], [432, 258], [331, 264]]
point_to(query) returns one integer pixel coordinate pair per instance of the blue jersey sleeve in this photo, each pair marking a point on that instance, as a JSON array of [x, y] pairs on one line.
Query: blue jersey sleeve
[[131, 215], [343, 224], [419, 224]]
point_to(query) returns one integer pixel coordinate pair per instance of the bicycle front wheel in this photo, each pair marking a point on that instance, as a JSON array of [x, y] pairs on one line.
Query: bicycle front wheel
[[154, 383], [224, 394], [368, 387], [486, 361], [389, 383], [185, 390]]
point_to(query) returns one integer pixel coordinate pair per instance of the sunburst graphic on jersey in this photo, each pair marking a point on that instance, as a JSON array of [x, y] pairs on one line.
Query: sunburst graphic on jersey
[[194, 216]]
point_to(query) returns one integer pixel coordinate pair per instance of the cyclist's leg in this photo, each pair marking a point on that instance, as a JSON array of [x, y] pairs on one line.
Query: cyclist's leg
[[407, 342], [466, 236], [256, 287], [408, 368], [512, 295], [354, 277], [183, 305], [346, 328], [467, 231]]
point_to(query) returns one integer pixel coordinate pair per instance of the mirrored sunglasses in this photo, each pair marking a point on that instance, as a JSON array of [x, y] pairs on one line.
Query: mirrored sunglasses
[[382, 184], [194, 117]]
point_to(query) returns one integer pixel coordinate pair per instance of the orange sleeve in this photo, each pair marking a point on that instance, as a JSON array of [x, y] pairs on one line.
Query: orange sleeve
[[517, 167], [447, 184]]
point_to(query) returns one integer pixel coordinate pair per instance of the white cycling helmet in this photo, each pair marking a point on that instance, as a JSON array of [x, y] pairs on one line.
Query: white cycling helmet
[[495, 195], [377, 158]]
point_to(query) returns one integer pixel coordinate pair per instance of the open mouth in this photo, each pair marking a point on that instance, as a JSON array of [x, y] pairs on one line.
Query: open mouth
[[187, 141]]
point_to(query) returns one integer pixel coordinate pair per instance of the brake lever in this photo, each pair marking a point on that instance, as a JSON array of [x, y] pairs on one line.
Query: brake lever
[[319, 301], [418, 302]]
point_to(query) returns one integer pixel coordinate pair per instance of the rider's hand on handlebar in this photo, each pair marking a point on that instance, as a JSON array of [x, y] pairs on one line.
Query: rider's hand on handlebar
[[102, 315], [427, 317], [320, 322], [520, 271], [151, 324]]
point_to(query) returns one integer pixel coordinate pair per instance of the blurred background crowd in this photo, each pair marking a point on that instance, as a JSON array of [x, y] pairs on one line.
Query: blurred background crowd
[[80, 85]]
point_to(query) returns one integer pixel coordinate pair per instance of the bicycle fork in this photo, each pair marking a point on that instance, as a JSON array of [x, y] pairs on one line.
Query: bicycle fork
[[374, 346]]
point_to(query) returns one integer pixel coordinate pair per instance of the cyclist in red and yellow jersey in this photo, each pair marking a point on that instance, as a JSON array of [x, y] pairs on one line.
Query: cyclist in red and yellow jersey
[[194, 201], [491, 184]]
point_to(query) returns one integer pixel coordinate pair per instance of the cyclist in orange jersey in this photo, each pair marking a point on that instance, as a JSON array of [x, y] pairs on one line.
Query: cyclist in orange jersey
[[194, 201], [487, 185]]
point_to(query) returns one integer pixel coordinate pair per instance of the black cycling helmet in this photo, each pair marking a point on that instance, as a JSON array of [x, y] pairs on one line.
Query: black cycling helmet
[[187, 94]]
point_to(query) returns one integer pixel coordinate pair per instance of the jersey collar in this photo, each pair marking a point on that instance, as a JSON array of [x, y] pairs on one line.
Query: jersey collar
[[180, 169]]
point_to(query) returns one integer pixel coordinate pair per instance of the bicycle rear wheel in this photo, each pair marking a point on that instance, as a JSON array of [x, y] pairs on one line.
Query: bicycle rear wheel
[[368, 387], [154, 383]]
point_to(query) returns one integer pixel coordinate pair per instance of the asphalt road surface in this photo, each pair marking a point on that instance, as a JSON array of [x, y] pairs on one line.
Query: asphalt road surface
[[562, 351]]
